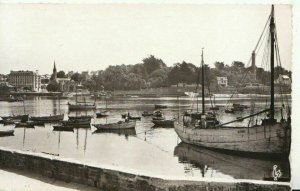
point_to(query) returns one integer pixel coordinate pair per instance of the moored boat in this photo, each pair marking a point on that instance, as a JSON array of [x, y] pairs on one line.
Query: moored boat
[[147, 113], [27, 125], [128, 116], [160, 106], [118, 125], [270, 136], [103, 113], [22, 118], [81, 106], [51, 118], [63, 128], [77, 122], [9, 132], [163, 122], [80, 117]]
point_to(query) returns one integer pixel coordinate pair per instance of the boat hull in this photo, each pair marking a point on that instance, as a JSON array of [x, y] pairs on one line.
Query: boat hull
[[164, 122], [268, 139], [114, 126], [81, 107], [53, 118], [6, 133]]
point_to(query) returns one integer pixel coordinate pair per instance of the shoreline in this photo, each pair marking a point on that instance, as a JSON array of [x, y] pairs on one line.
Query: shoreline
[[114, 178]]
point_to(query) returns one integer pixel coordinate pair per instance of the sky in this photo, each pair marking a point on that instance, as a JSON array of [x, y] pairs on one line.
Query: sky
[[91, 37]]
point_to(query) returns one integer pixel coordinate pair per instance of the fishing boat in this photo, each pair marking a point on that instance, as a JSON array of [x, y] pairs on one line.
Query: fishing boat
[[103, 113], [130, 117], [158, 121], [27, 125], [160, 106], [22, 118], [118, 125], [63, 128], [7, 132], [80, 117], [147, 113], [51, 118], [269, 137], [85, 122], [81, 105]]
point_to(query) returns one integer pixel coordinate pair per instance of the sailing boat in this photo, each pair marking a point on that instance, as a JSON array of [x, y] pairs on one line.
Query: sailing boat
[[269, 137], [81, 105], [49, 119], [104, 113]]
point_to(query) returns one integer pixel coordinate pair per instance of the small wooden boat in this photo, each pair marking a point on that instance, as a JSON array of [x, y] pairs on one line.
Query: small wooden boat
[[82, 106], [103, 113], [157, 113], [126, 132], [130, 117], [63, 128], [163, 122], [118, 125], [36, 123], [77, 122], [230, 110], [7, 132], [22, 118], [8, 122], [27, 125], [160, 106], [80, 117], [51, 118], [146, 113]]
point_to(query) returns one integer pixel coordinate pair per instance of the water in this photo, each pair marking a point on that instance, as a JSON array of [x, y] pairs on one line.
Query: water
[[147, 149]]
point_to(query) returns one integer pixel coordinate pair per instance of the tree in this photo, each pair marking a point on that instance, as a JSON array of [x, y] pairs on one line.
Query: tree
[[76, 77], [61, 74], [219, 65], [53, 87], [151, 63]]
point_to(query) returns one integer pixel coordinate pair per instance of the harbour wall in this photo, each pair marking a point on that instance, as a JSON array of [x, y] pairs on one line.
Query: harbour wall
[[112, 180]]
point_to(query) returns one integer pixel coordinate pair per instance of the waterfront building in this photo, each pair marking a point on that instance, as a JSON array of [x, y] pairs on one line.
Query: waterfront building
[[25, 79], [222, 81], [284, 80], [64, 84]]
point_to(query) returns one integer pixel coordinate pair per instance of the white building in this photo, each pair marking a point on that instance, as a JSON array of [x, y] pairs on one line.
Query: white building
[[284, 80], [25, 79], [222, 81]]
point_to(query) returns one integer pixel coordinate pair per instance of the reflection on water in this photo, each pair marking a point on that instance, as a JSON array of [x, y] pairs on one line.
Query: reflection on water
[[236, 166], [145, 149]]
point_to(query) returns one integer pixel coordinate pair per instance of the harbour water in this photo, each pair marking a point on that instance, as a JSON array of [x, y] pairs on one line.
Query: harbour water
[[147, 149]]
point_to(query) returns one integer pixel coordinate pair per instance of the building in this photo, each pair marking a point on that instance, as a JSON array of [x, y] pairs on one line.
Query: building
[[222, 81], [85, 76], [64, 84], [25, 80], [284, 80]]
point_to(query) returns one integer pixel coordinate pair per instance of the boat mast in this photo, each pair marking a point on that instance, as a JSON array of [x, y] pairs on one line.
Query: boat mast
[[202, 84], [272, 31]]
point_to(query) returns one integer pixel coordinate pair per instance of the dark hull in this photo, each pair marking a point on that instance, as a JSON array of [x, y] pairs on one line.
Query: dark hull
[[53, 118]]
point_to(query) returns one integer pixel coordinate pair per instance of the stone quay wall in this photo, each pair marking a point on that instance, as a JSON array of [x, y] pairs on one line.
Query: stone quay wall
[[112, 180]]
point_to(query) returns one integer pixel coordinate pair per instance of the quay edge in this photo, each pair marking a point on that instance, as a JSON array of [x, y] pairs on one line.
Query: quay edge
[[108, 179]]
